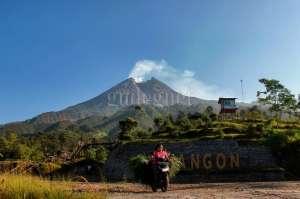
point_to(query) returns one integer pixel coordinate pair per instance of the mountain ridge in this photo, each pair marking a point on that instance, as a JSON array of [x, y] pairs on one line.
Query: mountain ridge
[[114, 104], [126, 93]]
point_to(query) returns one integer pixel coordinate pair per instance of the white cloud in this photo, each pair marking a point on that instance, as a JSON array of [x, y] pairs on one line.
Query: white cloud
[[183, 82]]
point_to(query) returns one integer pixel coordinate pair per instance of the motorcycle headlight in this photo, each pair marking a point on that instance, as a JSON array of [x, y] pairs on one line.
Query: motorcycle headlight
[[165, 169]]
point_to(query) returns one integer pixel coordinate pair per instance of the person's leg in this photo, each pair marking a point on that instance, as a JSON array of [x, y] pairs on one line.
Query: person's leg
[[155, 173]]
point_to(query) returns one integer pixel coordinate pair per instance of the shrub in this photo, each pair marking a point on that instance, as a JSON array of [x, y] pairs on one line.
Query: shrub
[[260, 129], [213, 117], [139, 166], [140, 133], [46, 168], [90, 154], [290, 157], [101, 155], [126, 127], [175, 165], [271, 123], [251, 130], [220, 133], [277, 141], [291, 132], [255, 130], [183, 122], [199, 123], [286, 149]]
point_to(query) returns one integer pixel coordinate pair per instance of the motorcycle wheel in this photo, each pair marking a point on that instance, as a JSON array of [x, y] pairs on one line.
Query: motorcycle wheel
[[165, 184], [154, 188]]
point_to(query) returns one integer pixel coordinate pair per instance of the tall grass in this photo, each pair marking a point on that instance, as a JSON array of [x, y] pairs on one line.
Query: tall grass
[[28, 187]]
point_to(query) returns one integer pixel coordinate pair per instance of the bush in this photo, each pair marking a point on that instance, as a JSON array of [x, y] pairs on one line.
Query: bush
[[175, 166], [291, 132], [96, 154], [220, 133], [139, 133], [290, 157], [251, 130], [277, 141], [139, 166], [90, 154], [286, 150], [271, 123], [47, 168], [213, 117], [255, 130], [183, 123], [101, 155], [199, 123], [260, 129]]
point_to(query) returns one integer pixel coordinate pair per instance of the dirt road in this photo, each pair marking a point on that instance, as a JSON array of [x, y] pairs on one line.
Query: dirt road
[[247, 190]]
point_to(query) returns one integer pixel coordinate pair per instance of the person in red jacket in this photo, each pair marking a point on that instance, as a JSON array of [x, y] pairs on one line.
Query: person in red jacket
[[159, 154]]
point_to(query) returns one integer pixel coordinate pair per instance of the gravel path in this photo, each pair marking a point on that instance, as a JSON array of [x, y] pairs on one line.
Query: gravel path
[[274, 190]]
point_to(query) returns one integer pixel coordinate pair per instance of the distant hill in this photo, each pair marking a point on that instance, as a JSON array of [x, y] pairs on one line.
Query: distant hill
[[105, 110]]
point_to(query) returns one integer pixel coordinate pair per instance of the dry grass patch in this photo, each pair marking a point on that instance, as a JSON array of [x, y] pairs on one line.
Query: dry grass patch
[[28, 187]]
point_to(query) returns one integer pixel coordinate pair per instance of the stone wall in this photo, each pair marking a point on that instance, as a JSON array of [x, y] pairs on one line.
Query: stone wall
[[201, 158]]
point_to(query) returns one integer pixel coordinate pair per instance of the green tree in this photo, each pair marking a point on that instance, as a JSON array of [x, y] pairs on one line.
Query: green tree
[[158, 122], [101, 154], [168, 125], [126, 127], [278, 97], [209, 110], [207, 121], [183, 122], [91, 154], [3, 147]]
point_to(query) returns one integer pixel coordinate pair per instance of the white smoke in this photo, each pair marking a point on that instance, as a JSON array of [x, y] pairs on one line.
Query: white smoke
[[183, 82]]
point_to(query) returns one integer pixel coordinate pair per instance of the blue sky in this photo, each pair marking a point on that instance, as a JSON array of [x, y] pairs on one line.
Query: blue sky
[[57, 53]]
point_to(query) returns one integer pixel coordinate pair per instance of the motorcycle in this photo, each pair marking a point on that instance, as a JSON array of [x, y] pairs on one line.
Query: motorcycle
[[161, 176]]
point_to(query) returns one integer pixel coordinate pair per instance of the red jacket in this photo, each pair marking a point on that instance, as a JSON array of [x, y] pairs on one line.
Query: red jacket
[[159, 154]]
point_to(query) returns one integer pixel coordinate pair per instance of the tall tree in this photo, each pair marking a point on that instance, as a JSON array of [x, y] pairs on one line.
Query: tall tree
[[183, 122], [126, 127], [278, 97], [209, 110], [158, 122]]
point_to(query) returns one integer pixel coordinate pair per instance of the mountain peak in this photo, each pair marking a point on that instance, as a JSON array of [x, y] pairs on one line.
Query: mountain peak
[[126, 93], [131, 79], [154, 79]]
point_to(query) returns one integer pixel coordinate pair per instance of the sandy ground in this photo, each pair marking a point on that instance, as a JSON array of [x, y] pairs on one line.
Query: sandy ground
[[243, 190]]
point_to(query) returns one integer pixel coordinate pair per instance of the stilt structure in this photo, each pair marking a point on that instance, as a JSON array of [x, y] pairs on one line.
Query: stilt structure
[[228, 108]]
